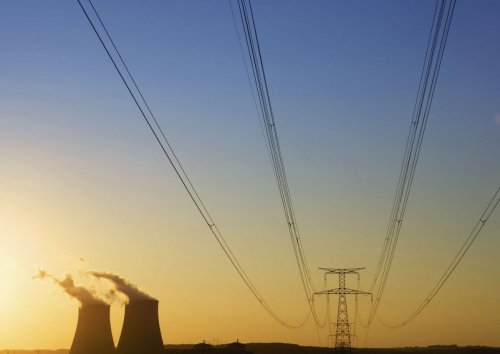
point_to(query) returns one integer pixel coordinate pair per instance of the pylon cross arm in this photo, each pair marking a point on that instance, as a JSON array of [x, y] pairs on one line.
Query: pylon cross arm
[[346, 291], [341, 270]]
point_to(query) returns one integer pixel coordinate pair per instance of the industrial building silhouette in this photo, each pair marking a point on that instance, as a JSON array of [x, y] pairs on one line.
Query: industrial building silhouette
[[141, 329], [205, 348], [93, 331], [140, 332]]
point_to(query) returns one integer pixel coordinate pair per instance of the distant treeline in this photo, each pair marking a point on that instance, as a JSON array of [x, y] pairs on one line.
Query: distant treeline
[[284, 348]]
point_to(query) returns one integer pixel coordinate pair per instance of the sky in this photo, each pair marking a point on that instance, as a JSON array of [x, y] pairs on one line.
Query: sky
[[84, 185]]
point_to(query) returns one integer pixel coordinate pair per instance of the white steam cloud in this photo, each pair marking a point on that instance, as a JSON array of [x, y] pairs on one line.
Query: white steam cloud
[[83, 295], [131, 291]]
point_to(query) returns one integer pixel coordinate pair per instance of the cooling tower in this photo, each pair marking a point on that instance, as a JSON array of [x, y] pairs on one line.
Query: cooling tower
[[141, 329], [93, 331]]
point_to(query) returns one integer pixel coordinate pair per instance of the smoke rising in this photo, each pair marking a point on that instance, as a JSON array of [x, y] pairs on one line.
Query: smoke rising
[[83, 295], [123, 286]]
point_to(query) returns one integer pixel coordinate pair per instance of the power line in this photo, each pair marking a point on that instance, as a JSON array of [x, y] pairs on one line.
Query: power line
[[443, 15], [268, 148], [260, 86], [176, 165], [455, 261]]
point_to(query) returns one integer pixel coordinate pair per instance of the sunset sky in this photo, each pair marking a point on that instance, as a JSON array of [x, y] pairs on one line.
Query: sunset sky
[[84, 185]]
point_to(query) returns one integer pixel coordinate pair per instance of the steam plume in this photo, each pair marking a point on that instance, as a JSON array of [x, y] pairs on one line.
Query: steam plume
[[83, 295], [123, 286]]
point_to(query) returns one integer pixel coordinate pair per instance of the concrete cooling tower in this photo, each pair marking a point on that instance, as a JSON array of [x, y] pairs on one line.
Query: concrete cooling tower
[[93, 331], [141, 329]]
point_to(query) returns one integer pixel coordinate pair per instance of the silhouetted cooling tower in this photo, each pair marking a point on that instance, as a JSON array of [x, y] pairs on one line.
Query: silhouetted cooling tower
[[141, 329], [93, 331]]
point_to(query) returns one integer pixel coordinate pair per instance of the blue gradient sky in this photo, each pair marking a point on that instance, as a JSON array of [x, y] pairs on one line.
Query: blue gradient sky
[[83, 177]]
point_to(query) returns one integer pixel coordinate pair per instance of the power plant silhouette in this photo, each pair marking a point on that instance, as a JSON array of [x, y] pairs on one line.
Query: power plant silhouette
[[140, 332], [141, 329], [93, 331]]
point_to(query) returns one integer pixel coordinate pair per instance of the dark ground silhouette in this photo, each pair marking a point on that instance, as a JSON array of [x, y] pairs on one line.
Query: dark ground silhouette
[[284, 348]]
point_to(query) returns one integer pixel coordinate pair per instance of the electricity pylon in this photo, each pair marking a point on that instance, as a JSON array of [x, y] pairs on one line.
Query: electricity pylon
[[342, 332]]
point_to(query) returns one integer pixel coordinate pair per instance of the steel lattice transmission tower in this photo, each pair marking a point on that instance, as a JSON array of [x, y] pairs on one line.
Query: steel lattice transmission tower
[[342, 331]]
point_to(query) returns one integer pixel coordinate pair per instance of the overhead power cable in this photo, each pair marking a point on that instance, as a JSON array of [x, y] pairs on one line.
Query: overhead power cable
[[454, 263], [436, 45], [265, 110], [150, 119]]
